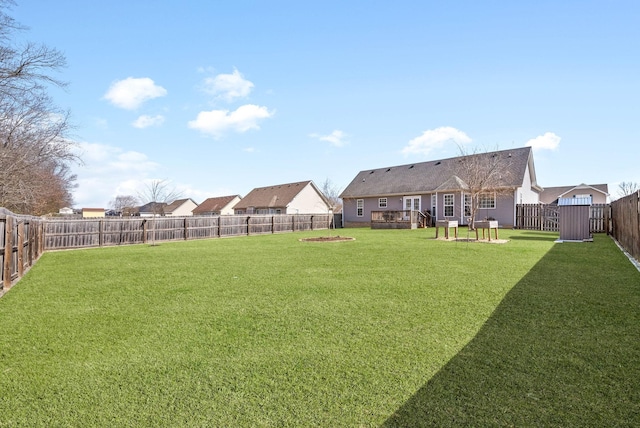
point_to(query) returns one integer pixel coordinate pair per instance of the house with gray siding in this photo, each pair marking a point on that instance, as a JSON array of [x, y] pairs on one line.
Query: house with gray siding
[[435, 188]]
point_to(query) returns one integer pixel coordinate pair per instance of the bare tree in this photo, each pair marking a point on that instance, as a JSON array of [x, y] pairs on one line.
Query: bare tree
[[626, 188], [122, 203], [482, 176], [34, 133], [158, 193], [332, 193]]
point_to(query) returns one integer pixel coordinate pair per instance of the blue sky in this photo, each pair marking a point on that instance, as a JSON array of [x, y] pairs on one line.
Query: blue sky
[[219, 97]]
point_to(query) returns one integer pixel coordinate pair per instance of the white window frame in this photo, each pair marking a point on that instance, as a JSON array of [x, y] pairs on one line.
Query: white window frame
[[382, 202], [451, 204], [434, 205], [487, 201], [360, 207], [468, 201]]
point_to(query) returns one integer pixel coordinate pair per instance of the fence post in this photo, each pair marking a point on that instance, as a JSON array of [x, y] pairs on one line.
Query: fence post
[[144, 231], [20, 247], [186, 229], [8, 252]]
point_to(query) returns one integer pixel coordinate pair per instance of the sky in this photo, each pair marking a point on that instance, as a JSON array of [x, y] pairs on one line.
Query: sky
[[216, 98]]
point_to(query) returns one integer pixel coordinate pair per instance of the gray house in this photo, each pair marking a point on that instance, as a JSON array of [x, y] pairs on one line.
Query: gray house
[[436, 189]]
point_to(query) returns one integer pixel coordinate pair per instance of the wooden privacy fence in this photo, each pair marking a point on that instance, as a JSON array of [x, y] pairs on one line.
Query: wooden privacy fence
[[545, 217], [625, 215], [83, 233], [21, 245]]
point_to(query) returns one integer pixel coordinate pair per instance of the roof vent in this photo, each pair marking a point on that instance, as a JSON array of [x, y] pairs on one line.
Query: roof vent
[[411, 166], [438, 163], [388, 169]]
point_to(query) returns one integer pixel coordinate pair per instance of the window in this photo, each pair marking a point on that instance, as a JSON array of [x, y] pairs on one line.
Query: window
[[448, 205], [434, 202], [382, 203], [360, 207], [467, 205], [487, 201]]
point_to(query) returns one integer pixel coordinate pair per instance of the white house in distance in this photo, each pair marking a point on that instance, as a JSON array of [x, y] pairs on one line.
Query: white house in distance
[[221, 205], [302, 197]]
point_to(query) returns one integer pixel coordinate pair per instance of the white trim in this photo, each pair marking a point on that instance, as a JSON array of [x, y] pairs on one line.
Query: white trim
[[445, 205]]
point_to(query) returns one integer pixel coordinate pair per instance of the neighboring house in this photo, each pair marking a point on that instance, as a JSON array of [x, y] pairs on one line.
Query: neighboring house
[[435, 187], [221, 205], [597, 192], [93, 212], [152, 209], [66, 211], [303, 197], [180, 208]]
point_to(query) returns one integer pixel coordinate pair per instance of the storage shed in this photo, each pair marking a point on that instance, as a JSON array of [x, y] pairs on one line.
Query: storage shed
[[573, 219]]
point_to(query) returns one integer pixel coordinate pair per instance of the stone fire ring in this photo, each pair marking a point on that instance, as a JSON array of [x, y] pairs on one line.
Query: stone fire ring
[[328, 239]]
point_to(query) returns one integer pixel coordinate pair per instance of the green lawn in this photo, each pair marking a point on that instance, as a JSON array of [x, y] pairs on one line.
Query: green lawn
[[394, 328]]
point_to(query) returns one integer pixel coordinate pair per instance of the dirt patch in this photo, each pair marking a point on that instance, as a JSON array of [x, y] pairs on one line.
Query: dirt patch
[[337, 238]]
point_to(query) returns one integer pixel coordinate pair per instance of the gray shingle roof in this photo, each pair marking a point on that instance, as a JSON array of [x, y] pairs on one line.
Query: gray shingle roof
[[431, 176]]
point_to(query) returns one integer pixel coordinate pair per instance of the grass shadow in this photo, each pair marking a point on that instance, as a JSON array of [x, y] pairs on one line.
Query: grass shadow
[[562, 349]]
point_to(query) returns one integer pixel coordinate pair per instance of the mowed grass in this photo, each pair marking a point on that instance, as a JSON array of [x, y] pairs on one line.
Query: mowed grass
[[393, 328]]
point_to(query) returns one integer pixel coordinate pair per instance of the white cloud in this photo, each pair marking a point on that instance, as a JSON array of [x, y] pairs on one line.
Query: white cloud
[[131, 92], [336, 138], [146, 121], [434, 139], [228, 86], [109, 171], [548, 141], [217, 122]]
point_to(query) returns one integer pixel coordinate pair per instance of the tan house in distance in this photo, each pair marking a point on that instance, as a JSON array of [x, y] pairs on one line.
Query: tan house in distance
[[180, 208], [302, 197], [93, 212], [597, 192], [221, 205]]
